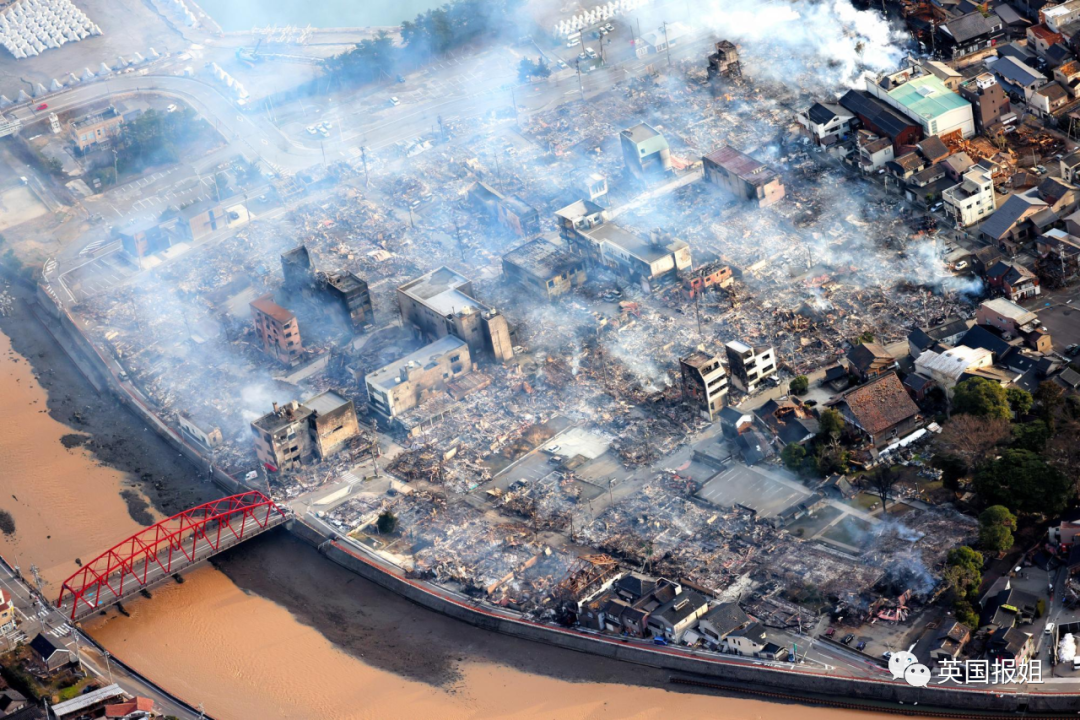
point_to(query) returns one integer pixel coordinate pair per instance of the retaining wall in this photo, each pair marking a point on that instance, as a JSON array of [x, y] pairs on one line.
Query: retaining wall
[[728, 671]]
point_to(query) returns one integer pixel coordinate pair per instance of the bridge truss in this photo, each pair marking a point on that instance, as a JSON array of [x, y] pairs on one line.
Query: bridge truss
[[169, 546]]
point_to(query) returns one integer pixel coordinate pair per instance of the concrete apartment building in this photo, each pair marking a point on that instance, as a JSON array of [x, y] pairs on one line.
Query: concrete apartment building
[[277, 330], [1006, 316], [743, 176], [406, 383], [544, 268], [749, 366], [705, 383], [972, 201], [96, 128], [645, 151], [926, 100], [295, 432], [199, 432], [441, 303], [990, 105]]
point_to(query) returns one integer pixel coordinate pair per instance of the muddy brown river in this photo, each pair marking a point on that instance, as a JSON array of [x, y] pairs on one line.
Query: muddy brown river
[[276, 631]]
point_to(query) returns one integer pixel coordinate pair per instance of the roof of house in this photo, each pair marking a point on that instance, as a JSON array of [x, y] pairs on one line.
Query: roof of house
[[952, 363], [726, 618], [645, 134], [1052, 92], [121, 710], [980, 337], [865, 355], [970, 26], [680, 607], [958, 163], [917, 382], [1044, 33], [823, 113], [1013, 211], [732, 415], [1008, 309], [879, 404], [933, 149], [754, 631], [45, 647], [1069, 378], [880, 115], [1009, 272], [909, 162], [754, 446], [1016, 72], [635, 584]]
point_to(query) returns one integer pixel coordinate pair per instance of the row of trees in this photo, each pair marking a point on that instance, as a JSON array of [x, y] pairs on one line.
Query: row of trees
[[431, 34]]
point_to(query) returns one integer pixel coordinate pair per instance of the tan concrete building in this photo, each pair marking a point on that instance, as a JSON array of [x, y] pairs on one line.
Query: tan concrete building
[[406, 383], [201, 433], [277, 330], [203, 218], [96, 128], [441, 303]]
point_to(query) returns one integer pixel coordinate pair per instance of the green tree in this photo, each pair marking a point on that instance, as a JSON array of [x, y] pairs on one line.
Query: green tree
[[1049, 396], [1020, 400], [793, 455], [1031, 436], [1023, 481], [830, 424], [982, 398], [965, 613], [996, 524], [387, 522], [799, 385]]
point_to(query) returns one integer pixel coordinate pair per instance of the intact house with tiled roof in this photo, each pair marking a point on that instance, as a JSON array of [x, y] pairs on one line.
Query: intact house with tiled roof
[[869, 360], [881, 409]]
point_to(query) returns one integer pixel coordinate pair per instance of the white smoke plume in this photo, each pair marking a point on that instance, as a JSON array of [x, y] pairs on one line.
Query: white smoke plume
[[829, 39]]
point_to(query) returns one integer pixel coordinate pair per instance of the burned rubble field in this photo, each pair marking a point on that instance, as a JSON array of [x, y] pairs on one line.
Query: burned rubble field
[[833, 261]]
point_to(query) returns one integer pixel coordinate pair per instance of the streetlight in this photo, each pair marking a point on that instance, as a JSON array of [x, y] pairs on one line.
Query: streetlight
[[108, 666]]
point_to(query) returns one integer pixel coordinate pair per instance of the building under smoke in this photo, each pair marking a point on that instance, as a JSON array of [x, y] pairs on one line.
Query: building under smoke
[[294, 433], [346, 294], [645, 151], [724, 63], [277, 329], [441, 303], [743, 176], [510, 211], [544, 268]]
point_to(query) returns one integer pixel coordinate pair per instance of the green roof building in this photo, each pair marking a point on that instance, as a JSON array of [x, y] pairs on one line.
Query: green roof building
[[927, 101]]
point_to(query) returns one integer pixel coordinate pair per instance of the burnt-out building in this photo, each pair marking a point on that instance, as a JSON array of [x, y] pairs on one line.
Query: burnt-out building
[[544, 268], [297, 268], [724, 63], [351, 295], [705, 383], [293, 434], [510, 211], [441, 303], [743, 176]]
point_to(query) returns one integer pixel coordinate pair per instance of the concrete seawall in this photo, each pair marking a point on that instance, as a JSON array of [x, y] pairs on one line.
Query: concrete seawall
[[727, 672]]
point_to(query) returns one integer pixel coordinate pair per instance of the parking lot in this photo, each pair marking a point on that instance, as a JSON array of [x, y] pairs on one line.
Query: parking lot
[[763, 491]]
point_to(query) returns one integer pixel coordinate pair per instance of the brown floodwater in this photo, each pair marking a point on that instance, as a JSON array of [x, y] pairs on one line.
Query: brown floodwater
[[242, 656]]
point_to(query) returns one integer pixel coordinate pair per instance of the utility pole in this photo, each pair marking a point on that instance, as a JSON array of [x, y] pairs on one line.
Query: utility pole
[[457, 234], [581, 86], [374, 444], [697, 311], [667, 45], [363, 155], [108, 666]]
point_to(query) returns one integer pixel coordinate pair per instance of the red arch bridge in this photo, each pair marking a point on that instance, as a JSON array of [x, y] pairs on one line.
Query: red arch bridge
[[162, 550]]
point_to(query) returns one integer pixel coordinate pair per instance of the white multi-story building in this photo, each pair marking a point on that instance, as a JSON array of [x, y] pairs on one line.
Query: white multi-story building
[[750, 366], [971, 201]]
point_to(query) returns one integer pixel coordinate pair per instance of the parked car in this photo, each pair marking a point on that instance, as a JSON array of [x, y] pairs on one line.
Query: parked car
[[591, 53], [609, 27], [573, 43], [312, 130], [43, 106], [1040, 169], [830, 632], [394, 101], [848, 638], [861, 646], [659, 641], [1049, 628], [171, 107]]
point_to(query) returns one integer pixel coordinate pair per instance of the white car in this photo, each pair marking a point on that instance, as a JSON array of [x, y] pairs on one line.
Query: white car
[[171, 108], [574, 43], [311, 130], [394, 101], [591, 53], [1049, 628]]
